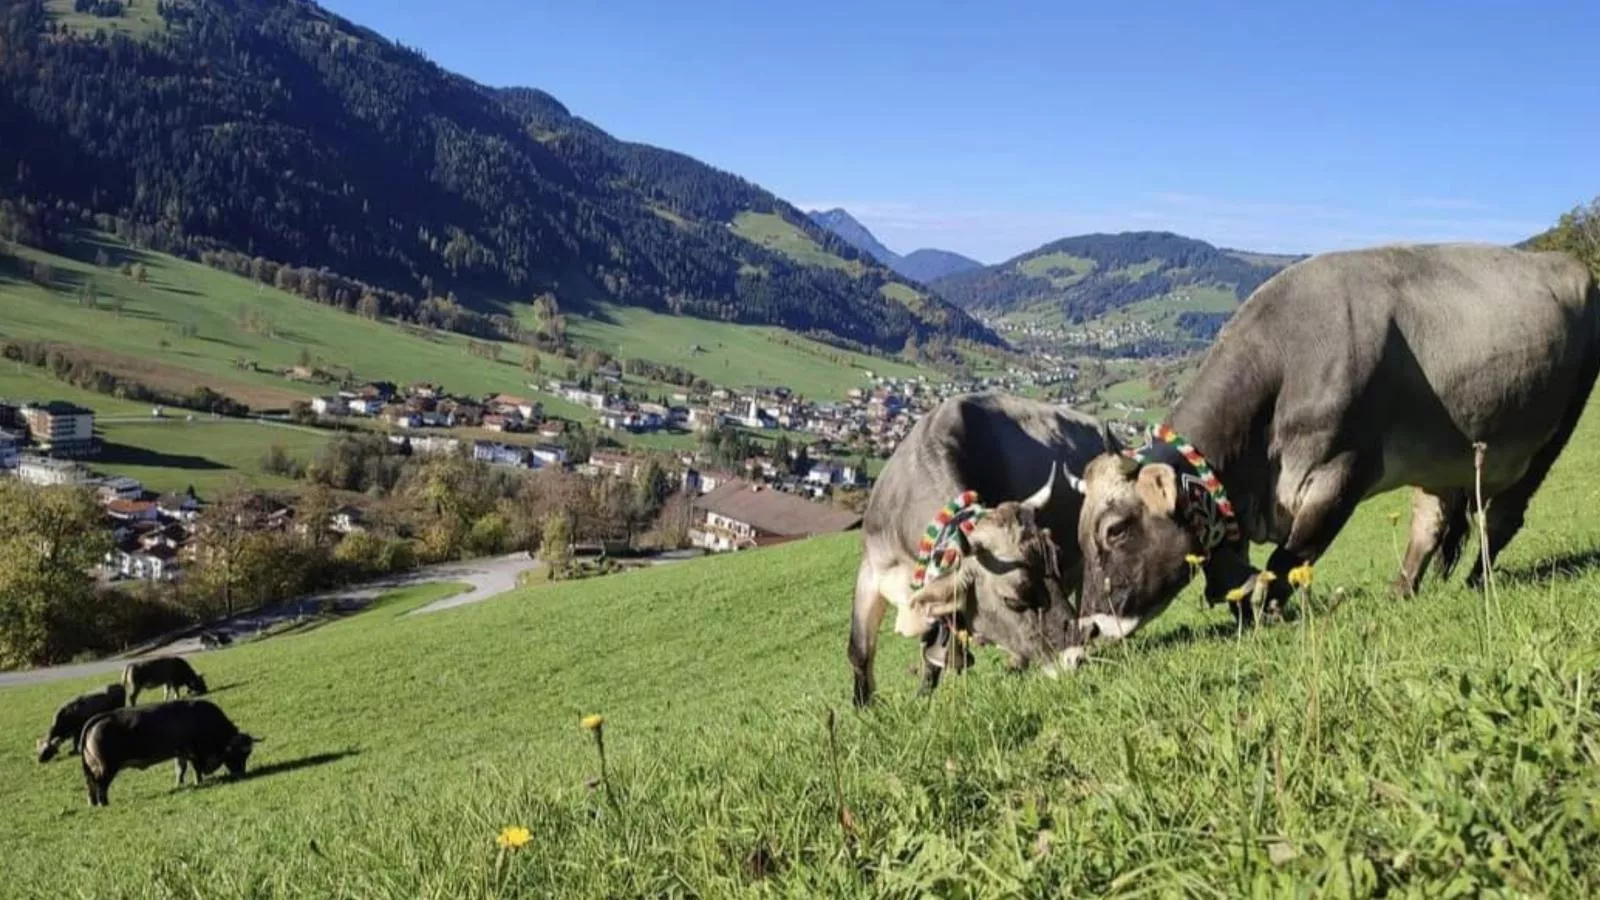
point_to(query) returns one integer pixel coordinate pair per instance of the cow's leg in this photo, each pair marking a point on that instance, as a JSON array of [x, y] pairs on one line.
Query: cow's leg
[[182, 766], [1437, 525], [1331, 493], [865, 618]]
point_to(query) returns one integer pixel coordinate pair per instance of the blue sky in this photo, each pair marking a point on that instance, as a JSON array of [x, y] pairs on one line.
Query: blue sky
[[990, 128]]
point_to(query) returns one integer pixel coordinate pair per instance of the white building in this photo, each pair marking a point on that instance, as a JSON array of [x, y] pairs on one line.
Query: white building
[[46, 471]]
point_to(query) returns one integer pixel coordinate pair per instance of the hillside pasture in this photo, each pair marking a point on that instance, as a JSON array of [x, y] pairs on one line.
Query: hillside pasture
[[735, 356], [173, 454], [1437, 746]]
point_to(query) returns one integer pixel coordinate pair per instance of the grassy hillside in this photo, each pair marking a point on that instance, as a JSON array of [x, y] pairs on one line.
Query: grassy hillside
[[735, 355], [1370, 746], [279, 132], [173, 455], [1107, 279], [139, 328]]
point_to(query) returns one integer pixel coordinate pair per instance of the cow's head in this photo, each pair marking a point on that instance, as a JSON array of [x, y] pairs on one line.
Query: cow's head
[[46, 749], [237, 753], [1135, 546], [1008, 589], [197, 684]]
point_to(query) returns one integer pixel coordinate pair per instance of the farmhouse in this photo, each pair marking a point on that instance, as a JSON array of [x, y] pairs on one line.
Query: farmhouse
[[739, 516]]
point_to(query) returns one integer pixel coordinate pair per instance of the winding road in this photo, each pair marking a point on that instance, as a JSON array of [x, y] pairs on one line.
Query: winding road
[[487, 578]]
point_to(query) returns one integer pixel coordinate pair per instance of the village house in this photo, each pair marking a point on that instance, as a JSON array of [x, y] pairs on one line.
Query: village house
[[497, 454], [10, 448], [118, 487], [179, 507], [328, 406], [618, 464], [44, 470], [426, 444], [697, 481], [59, 428], [739, 516], [130, 560], [550, 455], [133, 510], [552, 428]]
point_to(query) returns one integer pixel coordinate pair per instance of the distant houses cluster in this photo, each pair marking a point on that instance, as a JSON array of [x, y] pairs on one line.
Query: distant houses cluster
[[39, 441]]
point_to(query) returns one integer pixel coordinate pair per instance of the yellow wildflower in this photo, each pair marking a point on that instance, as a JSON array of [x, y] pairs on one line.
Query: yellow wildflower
[[1194, 559], [593, 723], [513, 837], [1300, 576], [1267, 577], [962, 636], [1237, 594], [1394, 518]]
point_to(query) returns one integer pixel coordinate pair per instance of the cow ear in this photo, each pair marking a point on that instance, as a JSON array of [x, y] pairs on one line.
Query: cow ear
[[943, 597], [1158, 488]]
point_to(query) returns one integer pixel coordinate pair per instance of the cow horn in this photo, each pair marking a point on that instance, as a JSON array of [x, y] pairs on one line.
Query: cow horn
[[1042, 496], [1074, 481]]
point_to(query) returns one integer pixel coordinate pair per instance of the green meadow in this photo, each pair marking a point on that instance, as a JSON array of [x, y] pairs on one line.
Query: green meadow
[[206, 453], [1442, 746]]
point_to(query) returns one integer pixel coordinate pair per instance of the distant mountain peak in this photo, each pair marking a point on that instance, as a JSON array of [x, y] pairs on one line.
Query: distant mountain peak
[[923, 265]]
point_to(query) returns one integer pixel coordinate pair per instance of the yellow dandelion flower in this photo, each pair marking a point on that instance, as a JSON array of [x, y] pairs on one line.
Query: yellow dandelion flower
[[1237, 594], [962, 636], [1267, 577], [513, 837], [1194, 559], [593, 723], [1300, 576]]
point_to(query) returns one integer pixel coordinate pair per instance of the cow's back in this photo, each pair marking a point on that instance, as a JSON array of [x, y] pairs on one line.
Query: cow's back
[[999, 445], [1418, 350]]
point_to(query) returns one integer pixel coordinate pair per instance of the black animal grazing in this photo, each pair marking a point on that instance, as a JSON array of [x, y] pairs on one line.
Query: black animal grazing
[[192, 732], [170, 672], [73, 714]]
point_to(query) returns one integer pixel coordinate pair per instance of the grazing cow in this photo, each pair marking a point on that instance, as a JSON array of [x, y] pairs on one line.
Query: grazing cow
[[71, 716], [192, 732], [1344, 376], [1009, 577], [172, 673]]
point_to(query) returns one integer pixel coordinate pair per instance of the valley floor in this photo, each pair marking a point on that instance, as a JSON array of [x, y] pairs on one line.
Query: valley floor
[[1438, 746]]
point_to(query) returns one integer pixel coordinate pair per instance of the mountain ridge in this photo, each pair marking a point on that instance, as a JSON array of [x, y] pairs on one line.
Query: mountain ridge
[[1085, 277], [923, 265], [280, 132]]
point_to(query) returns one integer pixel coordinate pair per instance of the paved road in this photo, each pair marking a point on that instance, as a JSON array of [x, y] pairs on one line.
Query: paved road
[[488, 577]]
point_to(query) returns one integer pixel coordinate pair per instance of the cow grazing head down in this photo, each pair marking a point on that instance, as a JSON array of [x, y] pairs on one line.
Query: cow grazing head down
[[237, 753], [1008, 588], [1135, 546], [47, 749]]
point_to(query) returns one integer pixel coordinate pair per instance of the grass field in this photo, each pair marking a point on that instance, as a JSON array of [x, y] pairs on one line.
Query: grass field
[[177, 293], [1433, 747], [735, 355], [206, 453], [137, 328], [777, 234]]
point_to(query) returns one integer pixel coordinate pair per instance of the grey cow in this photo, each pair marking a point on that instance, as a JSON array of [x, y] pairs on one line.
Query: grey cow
[[171, 673], [71, 716], [192, 732], [1012, 588], [1344, 376]]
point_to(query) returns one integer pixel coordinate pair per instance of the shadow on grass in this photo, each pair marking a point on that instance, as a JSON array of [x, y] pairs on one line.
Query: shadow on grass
[[112, 454], [1563, 567], [1185, 635], [278, 768], [226, 687]]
